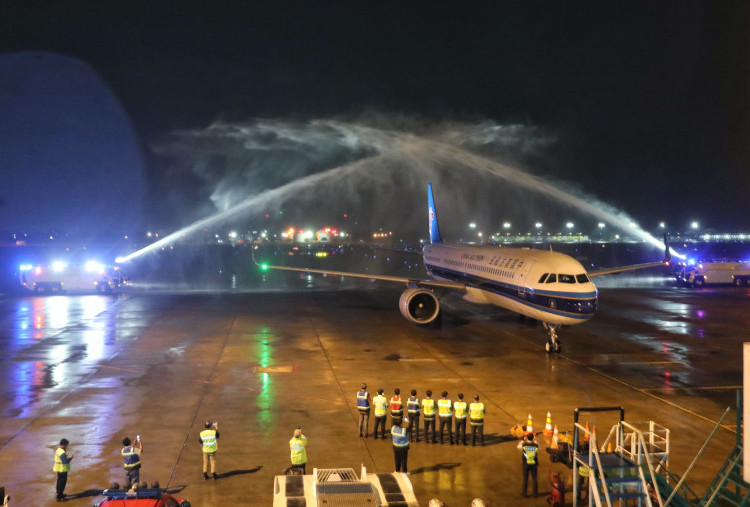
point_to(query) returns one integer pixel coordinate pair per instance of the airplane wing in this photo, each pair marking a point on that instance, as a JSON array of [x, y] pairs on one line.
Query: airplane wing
[[414, 282], [632, 267]]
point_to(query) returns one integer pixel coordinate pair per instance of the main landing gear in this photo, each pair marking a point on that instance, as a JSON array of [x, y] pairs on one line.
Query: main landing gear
[[553, 342]]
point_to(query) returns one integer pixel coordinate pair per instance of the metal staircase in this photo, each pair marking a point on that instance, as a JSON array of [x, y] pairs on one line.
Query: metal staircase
[[728, 487], [626, 472], [634, 471]]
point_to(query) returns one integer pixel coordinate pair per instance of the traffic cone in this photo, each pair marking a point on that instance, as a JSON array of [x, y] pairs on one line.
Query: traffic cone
[[529, 425], [555, 438], [586, 435], [548, 426]]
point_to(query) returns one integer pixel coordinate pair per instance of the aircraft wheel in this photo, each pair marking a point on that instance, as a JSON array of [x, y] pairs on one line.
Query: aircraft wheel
[[548, 346], [558, 347]]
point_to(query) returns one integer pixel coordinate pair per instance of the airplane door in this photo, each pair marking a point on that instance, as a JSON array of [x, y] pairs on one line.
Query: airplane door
[[523, 274]]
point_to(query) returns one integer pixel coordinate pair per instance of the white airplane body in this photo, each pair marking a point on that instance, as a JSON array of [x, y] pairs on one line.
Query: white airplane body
[[548, 286]]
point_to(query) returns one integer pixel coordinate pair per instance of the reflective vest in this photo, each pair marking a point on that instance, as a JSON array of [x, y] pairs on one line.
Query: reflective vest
[[428, 404], [412, 405], [132, 458], [363, 404], [396, 406], [583, 470], [380, 405], [297, 446], [60, 465], [210, 444], [399, 436], [476, 413], [459, 408], [530, 451], [444, 407]]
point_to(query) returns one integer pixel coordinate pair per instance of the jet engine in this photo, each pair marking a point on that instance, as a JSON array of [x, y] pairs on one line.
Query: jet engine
[[419, 305]]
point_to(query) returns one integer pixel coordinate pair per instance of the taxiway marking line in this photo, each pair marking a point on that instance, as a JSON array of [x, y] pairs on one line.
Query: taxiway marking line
[[701, 388]]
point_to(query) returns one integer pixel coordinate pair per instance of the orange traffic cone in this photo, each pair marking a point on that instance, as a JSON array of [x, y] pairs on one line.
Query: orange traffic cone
[[555, 438], [529, 425], [548, 426], [586, 435]]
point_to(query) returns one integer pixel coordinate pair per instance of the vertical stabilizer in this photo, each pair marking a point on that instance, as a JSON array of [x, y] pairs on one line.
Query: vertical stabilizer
[[432, 213]]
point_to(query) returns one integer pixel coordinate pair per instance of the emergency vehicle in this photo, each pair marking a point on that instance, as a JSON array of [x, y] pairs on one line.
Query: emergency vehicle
[[704, 273], [60, 276], [146, 497]]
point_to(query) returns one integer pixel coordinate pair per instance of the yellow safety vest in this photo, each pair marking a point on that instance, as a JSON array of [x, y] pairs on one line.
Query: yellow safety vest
[[59, 465], [476, 412], [428, 404], [132, 458], [210, 443], [583, 470], [297, 446], [444, 407], [381, 403], [459, 408]]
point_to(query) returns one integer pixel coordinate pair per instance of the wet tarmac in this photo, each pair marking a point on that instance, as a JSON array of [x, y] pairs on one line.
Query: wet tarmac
[[94, 369]]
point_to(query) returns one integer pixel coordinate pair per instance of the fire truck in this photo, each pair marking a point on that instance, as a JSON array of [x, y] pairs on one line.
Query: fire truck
[[59, 276], [704, 273]]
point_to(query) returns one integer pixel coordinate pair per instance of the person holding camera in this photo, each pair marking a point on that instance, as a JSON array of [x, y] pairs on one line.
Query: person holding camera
[[209, 439], [131, 454], [297, 446]]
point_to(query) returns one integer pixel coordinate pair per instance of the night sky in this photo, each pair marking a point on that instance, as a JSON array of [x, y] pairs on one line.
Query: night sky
[[648, 103]]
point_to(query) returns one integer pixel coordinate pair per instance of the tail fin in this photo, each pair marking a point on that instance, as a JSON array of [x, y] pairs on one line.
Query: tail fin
[[667, 252], [434, 231]]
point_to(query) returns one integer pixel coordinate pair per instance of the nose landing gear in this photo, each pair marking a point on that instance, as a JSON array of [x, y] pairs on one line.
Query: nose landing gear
[[553, 342]]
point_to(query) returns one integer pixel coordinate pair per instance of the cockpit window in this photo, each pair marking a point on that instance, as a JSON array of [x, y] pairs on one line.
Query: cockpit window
[[582, 278], [566, 278], [551, 278], [541, 280]]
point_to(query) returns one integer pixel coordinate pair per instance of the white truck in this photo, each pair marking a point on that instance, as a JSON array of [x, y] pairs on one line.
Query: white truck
[[704, 273]]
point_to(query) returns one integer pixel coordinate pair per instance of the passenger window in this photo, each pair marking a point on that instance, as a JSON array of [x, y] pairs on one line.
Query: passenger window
[[552, 278], [541, 280], [566, 279], [582, 278]]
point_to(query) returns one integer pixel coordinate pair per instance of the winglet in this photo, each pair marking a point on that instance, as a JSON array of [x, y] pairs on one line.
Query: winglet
[[667, 253], [432, 215]]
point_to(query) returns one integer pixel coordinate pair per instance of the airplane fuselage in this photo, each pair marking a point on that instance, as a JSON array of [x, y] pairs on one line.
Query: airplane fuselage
[[548, 286]]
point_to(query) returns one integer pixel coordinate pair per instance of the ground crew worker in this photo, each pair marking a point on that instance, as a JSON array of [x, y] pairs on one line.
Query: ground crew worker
[[209, 437], [476, 419], [445, 411], [530, 460], [428, 410], [132, 457], [381, 406], [298, 453], [400, 445], [459, 411], [363, 405], [412, 407], [397, 407], [62, 467]]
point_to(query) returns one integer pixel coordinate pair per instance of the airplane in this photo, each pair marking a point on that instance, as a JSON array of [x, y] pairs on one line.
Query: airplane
[[547, 286]]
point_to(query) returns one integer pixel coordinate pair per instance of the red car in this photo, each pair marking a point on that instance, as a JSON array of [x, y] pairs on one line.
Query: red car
[[146, 497]]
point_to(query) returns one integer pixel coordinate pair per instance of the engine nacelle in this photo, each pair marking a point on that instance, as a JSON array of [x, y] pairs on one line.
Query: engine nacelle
[[419, 305]]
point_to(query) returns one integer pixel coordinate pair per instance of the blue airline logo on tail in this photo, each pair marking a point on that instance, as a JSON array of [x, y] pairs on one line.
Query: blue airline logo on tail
[[432, 215]]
